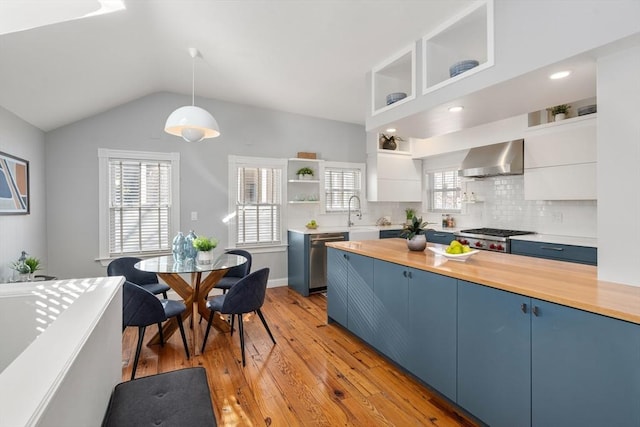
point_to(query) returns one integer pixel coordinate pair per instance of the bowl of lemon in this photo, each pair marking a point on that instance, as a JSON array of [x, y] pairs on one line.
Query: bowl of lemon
[[312, 225], [456, 251]]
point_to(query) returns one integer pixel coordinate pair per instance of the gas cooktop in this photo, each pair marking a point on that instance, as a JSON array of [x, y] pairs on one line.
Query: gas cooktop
[[497, 232]]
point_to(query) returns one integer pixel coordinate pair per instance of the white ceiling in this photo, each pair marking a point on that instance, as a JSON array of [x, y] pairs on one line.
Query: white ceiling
[[307, 56]]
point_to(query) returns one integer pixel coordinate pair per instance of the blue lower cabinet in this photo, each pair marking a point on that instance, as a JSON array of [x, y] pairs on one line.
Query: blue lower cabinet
[[569, 253], [494, 355], [389, 234], [360, 319], [442, 237], [432, 330], [415, 314], [298, 262], [585, 369], [337, 285], [391, 314]]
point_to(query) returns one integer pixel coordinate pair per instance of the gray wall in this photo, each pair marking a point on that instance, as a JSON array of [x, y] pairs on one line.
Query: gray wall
[[72, 162], [23, 232]]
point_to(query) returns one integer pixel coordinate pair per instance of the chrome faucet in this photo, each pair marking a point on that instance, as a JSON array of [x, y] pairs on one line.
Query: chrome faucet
[[359, 214]]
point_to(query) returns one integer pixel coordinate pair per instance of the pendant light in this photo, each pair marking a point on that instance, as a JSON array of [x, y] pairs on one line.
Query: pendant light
[[192, 123]]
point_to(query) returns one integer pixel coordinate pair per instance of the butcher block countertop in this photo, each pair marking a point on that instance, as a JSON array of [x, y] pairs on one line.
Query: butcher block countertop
[[569, 284]]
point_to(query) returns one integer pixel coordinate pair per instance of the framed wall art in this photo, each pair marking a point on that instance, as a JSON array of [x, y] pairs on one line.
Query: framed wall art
[[14, 185]]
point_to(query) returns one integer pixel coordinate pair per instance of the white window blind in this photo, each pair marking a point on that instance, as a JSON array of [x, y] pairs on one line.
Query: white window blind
[[259, 205], [445, 191], [339, 185], [139, 206]]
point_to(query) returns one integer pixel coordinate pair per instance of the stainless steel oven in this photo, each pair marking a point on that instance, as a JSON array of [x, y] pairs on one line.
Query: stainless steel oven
[[490, 239]]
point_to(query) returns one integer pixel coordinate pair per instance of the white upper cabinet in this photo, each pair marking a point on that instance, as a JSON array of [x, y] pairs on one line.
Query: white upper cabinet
[[560, 160], [461, 47], [393, 82], [393, 177]]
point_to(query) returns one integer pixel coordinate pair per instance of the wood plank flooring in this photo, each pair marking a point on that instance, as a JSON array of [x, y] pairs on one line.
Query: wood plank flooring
[[316, 375]]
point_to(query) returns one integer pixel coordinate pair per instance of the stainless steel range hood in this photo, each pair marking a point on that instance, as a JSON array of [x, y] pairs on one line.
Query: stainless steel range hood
[[506, 158]]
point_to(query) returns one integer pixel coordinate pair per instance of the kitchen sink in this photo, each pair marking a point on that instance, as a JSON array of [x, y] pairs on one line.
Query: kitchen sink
[[364, 233]]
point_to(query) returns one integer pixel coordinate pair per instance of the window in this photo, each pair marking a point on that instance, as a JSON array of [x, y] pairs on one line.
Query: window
[[340, 183], [139, 202], [445, 190], [257, 200]]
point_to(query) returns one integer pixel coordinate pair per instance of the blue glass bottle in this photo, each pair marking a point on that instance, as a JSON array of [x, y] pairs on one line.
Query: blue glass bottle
[[190, 251], [178, 247]]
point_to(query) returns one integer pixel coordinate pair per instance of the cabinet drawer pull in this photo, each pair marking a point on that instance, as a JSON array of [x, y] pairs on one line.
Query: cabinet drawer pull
[[552, 248], [404, 273], [439, 235], [535, 310], [523, 307]]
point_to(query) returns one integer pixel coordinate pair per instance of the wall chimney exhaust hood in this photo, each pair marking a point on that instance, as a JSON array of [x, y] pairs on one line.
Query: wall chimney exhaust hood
[[506, 158]]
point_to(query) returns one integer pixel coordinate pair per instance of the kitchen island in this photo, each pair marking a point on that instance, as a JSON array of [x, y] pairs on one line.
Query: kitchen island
[[513, 340]]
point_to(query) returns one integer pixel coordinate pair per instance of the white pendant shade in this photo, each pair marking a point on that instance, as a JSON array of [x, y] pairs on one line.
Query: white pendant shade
[[192, 123]]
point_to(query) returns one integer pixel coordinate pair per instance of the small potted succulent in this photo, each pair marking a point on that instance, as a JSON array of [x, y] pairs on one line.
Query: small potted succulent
[[414, 233], [205, 246], [559, 112], [305, 173]]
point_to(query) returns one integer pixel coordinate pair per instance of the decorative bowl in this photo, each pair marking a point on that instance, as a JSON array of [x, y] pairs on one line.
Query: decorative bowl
[[462, 66], [395, 97], [311, 227], [454, 257]]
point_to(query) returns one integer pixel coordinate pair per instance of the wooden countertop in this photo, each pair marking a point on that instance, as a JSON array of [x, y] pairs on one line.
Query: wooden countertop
[[570, 284]]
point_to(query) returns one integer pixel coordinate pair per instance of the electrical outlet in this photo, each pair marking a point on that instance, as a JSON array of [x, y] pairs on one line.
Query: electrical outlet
[[194, 216]]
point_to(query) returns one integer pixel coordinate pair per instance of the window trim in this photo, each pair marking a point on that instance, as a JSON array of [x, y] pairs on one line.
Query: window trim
[[103, 194], [231, 220], [342, 165], [430, 190]]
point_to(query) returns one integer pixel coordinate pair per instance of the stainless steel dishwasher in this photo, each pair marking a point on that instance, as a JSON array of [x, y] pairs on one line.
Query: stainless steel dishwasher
[[318, 259]]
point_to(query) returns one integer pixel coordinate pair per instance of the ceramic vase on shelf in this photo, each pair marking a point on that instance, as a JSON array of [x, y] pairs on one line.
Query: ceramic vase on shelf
[[417, 242], [559, 116]]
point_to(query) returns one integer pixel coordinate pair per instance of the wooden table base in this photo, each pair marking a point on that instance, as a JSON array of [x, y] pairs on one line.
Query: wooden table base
[[200, 290]]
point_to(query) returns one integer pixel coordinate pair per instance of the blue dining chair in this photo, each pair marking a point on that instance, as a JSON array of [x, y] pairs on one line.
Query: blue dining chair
[[125, 267], [236, 273], [245, 296], [141, 308]]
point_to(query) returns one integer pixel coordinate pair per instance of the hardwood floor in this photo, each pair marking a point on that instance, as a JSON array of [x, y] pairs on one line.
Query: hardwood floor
[[316, 375]]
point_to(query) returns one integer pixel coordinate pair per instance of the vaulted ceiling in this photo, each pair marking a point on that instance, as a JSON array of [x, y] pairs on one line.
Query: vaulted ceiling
[[308, 56]]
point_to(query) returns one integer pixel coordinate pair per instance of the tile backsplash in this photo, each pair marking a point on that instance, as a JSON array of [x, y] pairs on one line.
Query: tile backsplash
[[501, 204]]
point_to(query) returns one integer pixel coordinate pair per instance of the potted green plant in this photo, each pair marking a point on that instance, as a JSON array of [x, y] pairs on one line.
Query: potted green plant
[[305, 173], [414, 233], [33, 263], [204, 246], [409, 213], [22, 269], [389, 142], [559, 112]]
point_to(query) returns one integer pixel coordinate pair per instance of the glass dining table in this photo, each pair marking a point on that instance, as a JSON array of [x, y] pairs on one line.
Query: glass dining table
[[194, 294]]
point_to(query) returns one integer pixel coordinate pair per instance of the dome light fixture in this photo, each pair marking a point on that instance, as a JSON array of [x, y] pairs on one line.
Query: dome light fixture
[[456, 109], [192, 123]]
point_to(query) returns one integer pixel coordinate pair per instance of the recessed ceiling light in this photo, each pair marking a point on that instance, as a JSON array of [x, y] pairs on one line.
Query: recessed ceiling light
[[456, 109], [560, 75], [391, 130]]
